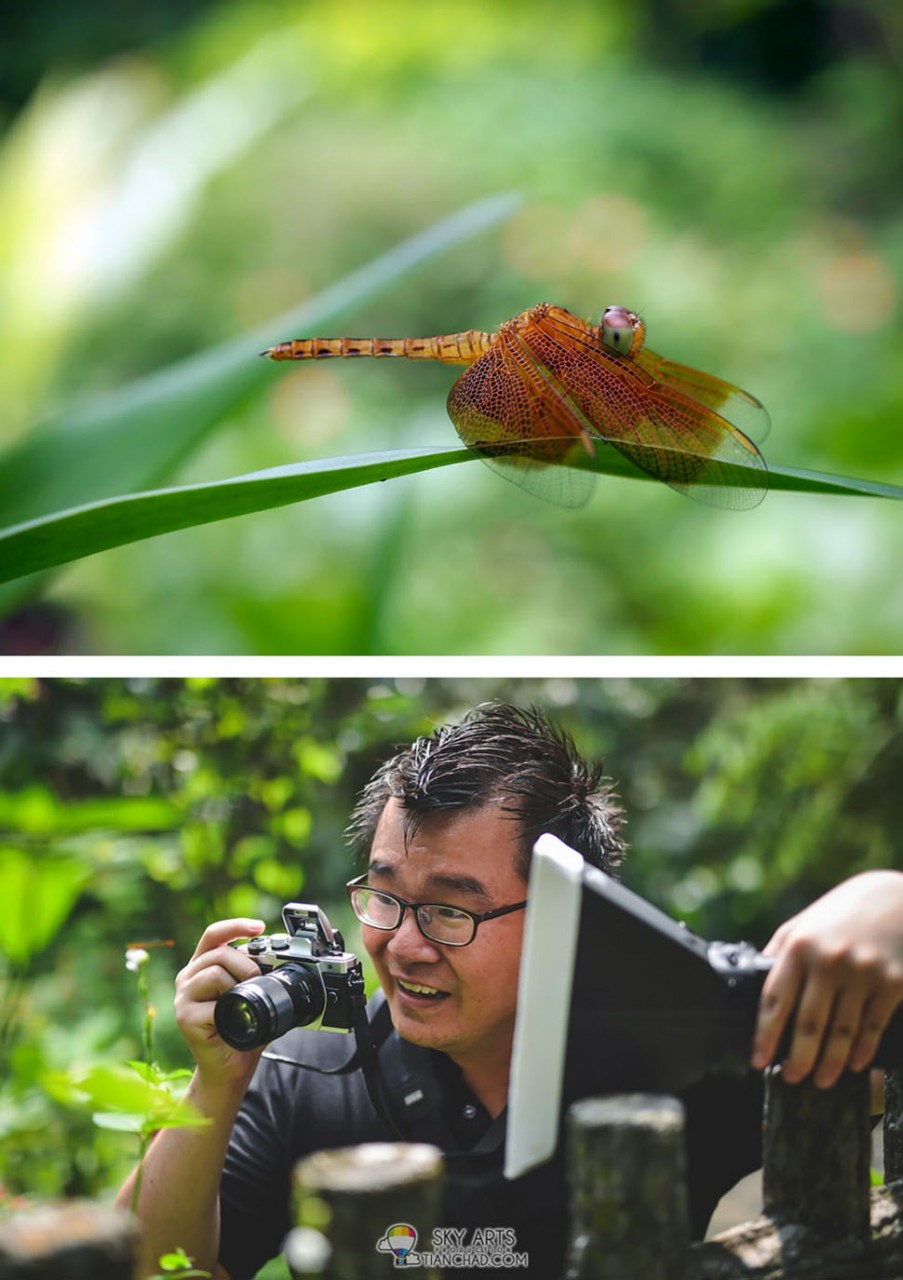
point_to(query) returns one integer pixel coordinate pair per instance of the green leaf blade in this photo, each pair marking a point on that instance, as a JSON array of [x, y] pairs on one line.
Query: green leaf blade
[[81, 531]]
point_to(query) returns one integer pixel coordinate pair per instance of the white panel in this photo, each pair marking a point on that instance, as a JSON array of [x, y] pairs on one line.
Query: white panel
[[543, 1004]]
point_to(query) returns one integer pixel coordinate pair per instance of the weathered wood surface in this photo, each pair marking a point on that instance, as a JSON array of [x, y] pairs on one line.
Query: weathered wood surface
[[75, 1240], [893, 1125], [627, 1165], [817, 1151], [821, 1221], [767, 1250], [365, 1191]]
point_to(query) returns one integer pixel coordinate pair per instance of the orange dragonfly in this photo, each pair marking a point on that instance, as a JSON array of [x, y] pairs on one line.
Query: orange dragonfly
[[544, 388]]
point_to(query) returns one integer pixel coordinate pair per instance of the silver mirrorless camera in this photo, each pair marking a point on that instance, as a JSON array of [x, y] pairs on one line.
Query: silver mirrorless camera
[[306, 976]]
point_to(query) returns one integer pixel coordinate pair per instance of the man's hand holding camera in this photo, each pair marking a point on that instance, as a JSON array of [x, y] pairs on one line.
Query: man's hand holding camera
[[839, 965], [214, 969]]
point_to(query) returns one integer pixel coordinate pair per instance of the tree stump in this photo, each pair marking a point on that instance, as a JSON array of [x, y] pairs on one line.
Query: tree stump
[[817, 1149], [893, 1125], [367, 1191], [76, 1240], [627, 1167]]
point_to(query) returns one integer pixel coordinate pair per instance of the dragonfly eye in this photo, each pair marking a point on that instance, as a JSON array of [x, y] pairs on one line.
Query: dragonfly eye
[[620, 329]]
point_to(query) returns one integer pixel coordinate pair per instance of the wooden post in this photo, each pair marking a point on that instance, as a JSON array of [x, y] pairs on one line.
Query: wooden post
[[627, 1168], [365, 1191], [75, 1239], [817, 1151], [893, 1125]]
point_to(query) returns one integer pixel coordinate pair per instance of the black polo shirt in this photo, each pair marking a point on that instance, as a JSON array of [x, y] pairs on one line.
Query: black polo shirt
[[290, 1112]]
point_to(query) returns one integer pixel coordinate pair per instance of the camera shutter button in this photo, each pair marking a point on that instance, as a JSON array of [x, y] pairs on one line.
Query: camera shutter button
[[255, 946]]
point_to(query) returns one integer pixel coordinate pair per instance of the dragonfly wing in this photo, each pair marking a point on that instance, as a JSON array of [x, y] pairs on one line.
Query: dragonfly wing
[[661, 429], [733, 403], [732, 476], [504, 410]]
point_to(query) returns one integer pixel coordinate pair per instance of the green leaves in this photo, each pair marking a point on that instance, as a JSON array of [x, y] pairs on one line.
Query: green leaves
[[41, 876], [36, 812], [37, 895], [178, 1264], [133, 1098]]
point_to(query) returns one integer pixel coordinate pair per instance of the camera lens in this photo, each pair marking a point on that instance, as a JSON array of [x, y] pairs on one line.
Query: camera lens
[[261, 1009], [237, 1021]]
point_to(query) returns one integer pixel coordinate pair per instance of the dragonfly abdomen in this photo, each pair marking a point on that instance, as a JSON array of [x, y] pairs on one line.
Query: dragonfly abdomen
[[450, 348]]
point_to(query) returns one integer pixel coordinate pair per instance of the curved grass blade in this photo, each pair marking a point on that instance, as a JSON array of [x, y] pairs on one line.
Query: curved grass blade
[[801, 481], [112, 522], [85, 530]]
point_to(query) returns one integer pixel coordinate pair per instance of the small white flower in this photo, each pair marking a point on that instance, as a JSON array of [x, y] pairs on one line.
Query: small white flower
[[135, 957]]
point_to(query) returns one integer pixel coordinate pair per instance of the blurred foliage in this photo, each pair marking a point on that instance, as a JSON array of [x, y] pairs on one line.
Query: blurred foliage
[[135, 811], [184, 174]]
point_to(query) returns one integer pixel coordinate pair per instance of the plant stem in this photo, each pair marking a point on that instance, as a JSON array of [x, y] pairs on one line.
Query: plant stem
[[147, 1050], [144, 992], [139, 1172]]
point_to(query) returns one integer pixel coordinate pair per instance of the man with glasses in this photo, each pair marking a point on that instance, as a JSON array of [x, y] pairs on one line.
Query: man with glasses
[[447, 826]]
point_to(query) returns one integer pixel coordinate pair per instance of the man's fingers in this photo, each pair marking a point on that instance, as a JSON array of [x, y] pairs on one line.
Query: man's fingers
[[212, 981], [215, 935], [197, 992], [838, 971], [876, 1014], [214, 969], [840, 1037], [237, 963], [779, 995], [775, 943], [809, 1026], [838, 1011]]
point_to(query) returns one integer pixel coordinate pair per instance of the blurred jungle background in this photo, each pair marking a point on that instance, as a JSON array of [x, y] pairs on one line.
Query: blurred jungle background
[[173, 175], [141, 810]]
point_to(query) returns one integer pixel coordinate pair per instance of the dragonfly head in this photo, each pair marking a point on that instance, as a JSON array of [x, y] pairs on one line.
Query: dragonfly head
[[622, 331]]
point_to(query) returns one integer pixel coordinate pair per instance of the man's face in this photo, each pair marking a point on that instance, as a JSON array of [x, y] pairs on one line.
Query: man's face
[[463, 860]]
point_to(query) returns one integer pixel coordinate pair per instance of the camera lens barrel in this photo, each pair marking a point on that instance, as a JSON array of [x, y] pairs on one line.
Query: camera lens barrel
[[261, 1009]]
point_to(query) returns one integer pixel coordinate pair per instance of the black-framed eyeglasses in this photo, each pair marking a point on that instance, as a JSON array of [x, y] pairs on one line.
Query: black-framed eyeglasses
[[450, 926]]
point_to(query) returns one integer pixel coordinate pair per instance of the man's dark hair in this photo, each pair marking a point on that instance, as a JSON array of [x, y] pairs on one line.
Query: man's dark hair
[[508, 756]]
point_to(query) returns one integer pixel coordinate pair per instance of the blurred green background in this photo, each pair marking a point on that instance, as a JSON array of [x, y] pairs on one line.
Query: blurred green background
[[174, 175], [142, 809]]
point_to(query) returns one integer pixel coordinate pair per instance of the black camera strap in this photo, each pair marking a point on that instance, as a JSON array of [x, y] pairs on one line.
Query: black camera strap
[[415, 1091], [368, 1036]]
